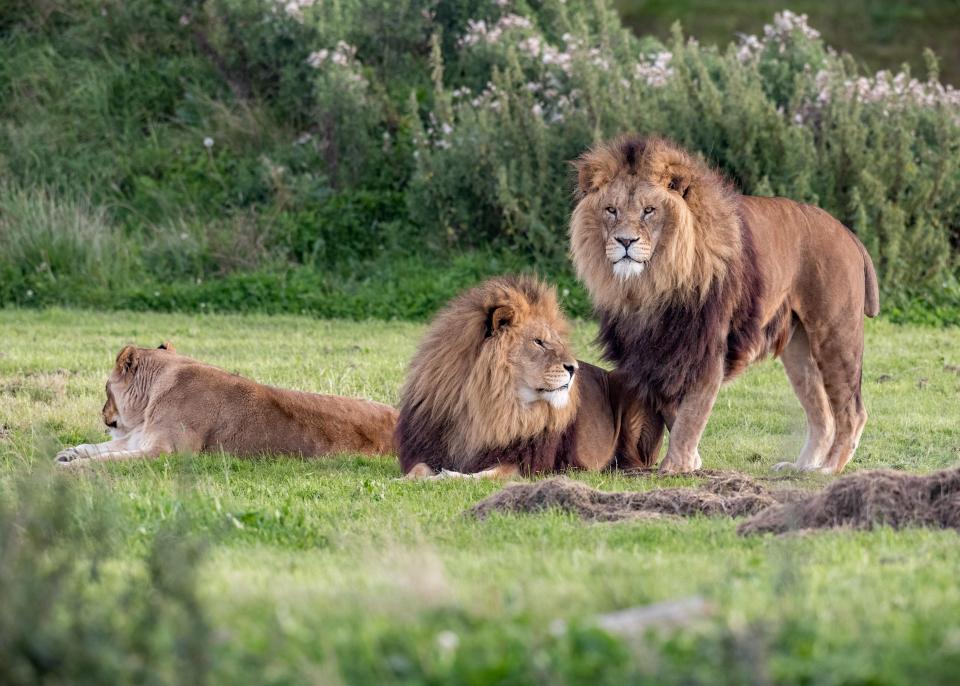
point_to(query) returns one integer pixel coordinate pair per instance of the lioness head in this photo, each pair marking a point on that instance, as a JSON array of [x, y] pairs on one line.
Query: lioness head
[[495, 366], [651, 222], [126, 401]]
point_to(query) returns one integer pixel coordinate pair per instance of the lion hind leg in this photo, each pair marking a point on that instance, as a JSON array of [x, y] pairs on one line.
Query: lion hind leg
[[840, 359], [807, 382]]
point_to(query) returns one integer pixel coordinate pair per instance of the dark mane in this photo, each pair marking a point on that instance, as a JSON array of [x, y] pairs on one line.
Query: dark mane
[[420, 440], [665, 353]]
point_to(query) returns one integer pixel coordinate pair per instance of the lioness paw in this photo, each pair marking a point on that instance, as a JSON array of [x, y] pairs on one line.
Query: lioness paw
[[68, 455]]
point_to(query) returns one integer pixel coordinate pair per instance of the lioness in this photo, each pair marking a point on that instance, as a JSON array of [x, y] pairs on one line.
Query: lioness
[[694, 281], [494, 391], [161, 402]]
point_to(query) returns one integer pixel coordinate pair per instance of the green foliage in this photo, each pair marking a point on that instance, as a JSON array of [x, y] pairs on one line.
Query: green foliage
[[219, 144], [68, 617]]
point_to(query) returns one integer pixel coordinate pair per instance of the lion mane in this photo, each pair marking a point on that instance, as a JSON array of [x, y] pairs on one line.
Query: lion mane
[[458, 406], [703, 278]]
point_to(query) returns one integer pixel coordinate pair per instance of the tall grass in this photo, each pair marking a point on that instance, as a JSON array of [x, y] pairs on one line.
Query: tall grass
[[49, 242]]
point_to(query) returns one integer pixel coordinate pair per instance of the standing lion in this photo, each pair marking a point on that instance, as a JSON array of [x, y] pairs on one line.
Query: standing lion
[[694, 281]]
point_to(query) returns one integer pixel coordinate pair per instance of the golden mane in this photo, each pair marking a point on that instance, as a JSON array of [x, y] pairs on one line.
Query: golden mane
[[705, 229], [462, 380]]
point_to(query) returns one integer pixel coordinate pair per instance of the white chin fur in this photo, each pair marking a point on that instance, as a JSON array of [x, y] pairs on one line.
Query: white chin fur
[[625, 269], [557, 399]]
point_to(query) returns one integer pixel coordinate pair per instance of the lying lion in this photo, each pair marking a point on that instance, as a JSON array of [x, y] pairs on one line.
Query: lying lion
[[494, 391], [161, 402]]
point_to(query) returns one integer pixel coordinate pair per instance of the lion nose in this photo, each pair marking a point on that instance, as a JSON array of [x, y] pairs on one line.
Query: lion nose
[[571, 369], [626, 242]]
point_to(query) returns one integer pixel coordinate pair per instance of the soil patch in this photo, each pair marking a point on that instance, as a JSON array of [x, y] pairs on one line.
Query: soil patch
[[867, 499], [724, 495]]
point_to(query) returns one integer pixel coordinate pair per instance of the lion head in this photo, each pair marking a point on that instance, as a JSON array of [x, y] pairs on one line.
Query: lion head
[[652, 224], [495, 366], [126, 399]]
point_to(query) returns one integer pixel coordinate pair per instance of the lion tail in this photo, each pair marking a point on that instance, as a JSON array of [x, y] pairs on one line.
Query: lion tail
[[871, 300]]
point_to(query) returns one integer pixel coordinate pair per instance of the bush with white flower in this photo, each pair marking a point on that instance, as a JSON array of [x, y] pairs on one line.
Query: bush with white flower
[[781, 113]]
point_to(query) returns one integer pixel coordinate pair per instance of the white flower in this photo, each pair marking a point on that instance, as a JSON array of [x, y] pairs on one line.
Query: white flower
[[447, 641], [317, 58], [478, 31], [656, 71], [207, 142]]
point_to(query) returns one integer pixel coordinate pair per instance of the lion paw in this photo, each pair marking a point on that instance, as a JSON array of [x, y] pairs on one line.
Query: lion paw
[[68, 455], [450, 474], [681, 465]]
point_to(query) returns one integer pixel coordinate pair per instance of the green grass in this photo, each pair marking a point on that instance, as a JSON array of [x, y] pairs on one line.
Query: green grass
[[335, 571]]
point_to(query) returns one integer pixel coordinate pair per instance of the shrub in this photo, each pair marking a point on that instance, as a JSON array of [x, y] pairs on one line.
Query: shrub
[[64, 616], [781, 114], [224, 138]]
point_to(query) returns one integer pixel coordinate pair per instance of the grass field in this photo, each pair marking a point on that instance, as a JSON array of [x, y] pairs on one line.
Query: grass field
[[335, 571]]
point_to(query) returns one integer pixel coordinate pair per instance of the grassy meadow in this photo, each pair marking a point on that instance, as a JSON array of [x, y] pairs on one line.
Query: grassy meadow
[[335, 571]]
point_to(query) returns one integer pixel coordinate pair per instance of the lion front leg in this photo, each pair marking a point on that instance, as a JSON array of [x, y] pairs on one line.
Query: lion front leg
[[687, 424], [129, 447], [88, 451]]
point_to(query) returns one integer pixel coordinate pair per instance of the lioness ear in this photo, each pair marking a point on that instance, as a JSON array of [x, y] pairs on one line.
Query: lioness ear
[[499, 318], [126, 360], [168, 346]]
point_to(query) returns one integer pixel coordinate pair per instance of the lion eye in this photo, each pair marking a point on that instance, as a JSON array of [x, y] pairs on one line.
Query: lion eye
[[539, 341], [647, 211], [612, 211]]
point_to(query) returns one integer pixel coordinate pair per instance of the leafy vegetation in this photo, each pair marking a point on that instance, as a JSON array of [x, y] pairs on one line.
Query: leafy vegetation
[[229, 570], [370, 158]]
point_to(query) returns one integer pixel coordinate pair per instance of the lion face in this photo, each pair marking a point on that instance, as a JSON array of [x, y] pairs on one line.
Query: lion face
[[629, 222], [652, 225], [543, 365]]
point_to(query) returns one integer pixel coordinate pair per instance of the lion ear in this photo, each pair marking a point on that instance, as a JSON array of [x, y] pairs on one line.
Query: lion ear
[[168, 346], [593, 171], [126, 361], [499, 318], [678, 183]]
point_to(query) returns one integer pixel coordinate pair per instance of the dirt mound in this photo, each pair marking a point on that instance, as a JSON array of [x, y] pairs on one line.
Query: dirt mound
[[729, 495], [867, 499]]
